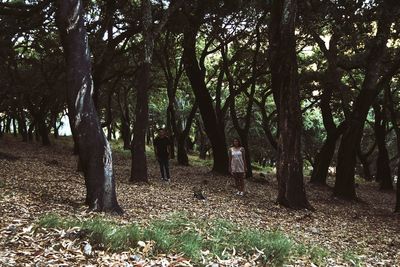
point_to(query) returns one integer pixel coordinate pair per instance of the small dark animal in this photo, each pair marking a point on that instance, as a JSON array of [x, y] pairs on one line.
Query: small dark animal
[[52, 162], [198, 192]]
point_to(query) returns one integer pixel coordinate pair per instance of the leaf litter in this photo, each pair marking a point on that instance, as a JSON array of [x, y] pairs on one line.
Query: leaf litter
[[38, 180]]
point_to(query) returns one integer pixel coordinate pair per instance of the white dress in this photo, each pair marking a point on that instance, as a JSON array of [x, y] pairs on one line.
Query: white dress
[[237, 163]]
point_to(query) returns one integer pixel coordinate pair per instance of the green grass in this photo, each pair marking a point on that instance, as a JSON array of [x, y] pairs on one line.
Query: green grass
[[317, 254], [181, 234], [352, 258]]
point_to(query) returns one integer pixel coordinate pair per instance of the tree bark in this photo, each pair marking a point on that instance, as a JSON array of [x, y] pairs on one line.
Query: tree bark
[[331, 82], [394, 120], [383, 172], [183, 158], [214, 129], [14, 124], [345, 183], [94, 149], [287, 98], [139, 160]]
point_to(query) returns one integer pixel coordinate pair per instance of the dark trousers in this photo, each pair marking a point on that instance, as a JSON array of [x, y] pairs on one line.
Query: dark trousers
[[164, 168]]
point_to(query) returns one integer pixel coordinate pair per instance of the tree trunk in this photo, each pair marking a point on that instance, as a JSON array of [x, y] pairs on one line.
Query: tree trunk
[[395, 124], [183, 158], [383, 172], [126, 135], [287, 99], [23, 129], [139, 160], [397, 207], [213, 129], [8, 125], [55, 129], [15, 131], [30, 131], [345, 183], [94, 149], [363, 157], [323, 161]]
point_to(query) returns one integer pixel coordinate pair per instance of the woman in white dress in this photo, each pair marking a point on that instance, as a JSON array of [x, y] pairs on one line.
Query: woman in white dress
[[237, 165]]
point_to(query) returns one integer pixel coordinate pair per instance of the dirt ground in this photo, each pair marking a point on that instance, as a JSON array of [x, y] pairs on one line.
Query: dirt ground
[[39, 180]]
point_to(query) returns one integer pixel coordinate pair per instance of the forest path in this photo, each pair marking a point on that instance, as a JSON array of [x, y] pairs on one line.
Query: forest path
[[44, 180]]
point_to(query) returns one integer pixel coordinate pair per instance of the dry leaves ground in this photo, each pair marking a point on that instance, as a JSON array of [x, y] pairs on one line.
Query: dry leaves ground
[[41, 180]]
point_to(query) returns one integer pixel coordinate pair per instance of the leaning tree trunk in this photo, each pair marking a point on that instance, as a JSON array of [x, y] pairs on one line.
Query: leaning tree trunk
[[286, 94], [345, 183], [215, 131], [94, 149], [139, 160], [383, 172], [332, 81], [183, 158]]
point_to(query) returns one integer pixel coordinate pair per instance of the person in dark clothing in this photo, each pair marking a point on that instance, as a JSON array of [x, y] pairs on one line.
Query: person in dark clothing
[[162, 148]]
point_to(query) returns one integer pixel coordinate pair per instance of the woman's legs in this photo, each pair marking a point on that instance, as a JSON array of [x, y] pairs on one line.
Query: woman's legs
[[239, 181]]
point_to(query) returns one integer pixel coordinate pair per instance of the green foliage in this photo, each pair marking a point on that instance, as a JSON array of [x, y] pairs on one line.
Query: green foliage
[[317, 254], [180, 234], [352, 258]]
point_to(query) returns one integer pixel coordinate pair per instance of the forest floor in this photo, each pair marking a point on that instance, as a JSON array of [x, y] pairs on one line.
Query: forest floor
[[36, 180]]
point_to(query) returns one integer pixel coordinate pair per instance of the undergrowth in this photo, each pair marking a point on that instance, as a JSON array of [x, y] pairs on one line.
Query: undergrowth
[[180, 234]]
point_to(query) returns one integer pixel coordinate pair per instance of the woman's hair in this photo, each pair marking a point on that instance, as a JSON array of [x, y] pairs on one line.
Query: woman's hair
[[236, 139]]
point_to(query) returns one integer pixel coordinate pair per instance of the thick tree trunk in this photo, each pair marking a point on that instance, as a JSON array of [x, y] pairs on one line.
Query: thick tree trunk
[[139, 160], [323, 161], [383, 172], [332, 81], [345, 183], [286, 94], [182, 153], [397, 207], [395, 124], [214, 130], [126, 135], [365, 164], [94, 149]]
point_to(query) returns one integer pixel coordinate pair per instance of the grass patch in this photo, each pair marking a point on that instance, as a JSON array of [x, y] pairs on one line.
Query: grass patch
[[179, 233], [317, 254], [196, 161], [352, 258]]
